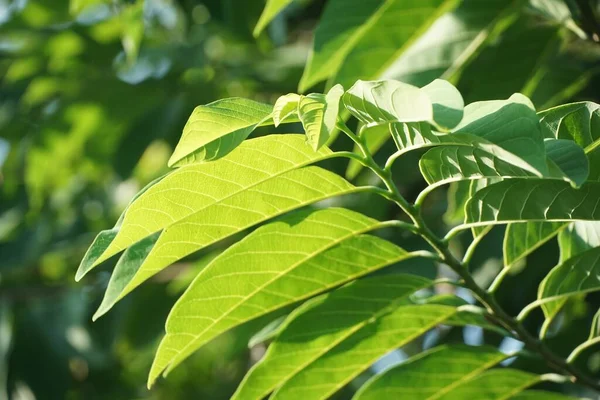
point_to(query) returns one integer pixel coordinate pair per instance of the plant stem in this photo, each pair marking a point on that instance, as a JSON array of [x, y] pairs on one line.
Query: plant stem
[[461, 268]]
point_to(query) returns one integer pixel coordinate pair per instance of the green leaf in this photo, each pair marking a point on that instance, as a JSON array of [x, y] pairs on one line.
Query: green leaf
[[301, 255], [318, 114], [215, 129], [378, 102], [103, 240], [268, 332], [579, 122], [317, 337], [448, 104], [169, 202], [521, 200], [276, 196], [540, 395], [446, 107], [466, 314], [578, 237], [272, 8], [437, 374], [387, 35], [284, 107], [577, 275], [453, 41], [521, 239], [512, 124], [341, 25], [566, 161]]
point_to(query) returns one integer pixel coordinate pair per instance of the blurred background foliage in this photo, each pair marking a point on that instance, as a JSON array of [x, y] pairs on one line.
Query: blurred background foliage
[[94, 95]]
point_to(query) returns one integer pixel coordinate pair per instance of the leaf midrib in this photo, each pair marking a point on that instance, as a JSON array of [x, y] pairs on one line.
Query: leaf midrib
[[174, 361]]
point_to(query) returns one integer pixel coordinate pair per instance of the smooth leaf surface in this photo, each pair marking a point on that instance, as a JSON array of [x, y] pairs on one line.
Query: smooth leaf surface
[[189, 190], [215, 129], [272, 8], [301, 255], [540, 395], [577, 275], [341, 25], [317, 328], [276, 196], [448, 104], [521, 239], [390, 32], [284, 107], [453, 40], [318, 114], [434, 374], [490, 120], [578, 237], [378, 102]]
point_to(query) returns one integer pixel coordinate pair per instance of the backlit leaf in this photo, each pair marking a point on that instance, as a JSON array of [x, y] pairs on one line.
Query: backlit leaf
[[301, 255], [314, 332], [215, 129]]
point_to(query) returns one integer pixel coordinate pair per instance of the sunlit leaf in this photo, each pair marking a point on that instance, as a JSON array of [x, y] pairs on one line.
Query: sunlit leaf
[[272, 8], [318, 114], [377, 48], [313, 336], [444, 373], [170, 202], [215, 222], [299, 256], [217, 128], [284, 107]]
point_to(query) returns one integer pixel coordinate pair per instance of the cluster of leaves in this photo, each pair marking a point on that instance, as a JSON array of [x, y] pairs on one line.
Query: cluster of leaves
[[535, 172], [94, 93]]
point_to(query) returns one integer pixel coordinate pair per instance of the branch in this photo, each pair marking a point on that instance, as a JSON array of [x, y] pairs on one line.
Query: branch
[[461, 268]]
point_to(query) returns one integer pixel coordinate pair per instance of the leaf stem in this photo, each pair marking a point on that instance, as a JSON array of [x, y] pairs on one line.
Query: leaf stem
[[581, 348], [498, 280], [461, 268]]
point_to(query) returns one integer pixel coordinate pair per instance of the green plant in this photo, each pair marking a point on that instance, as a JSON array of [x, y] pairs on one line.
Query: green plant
[[319, 274]]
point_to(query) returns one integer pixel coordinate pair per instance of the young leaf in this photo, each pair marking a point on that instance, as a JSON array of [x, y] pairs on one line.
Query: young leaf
[[316, 329], [217, 128], [378, 102], [301, 255], [434, 374], [171, 201], [284, 107], [512, 124], [448, 104], [318, 114]]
